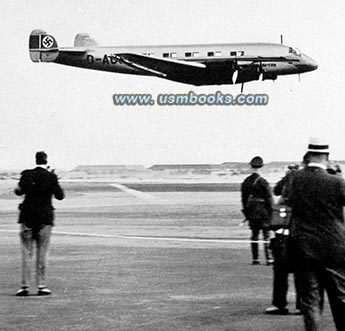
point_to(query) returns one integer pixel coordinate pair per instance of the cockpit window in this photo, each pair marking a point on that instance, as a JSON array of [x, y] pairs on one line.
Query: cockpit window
[[294, 51]]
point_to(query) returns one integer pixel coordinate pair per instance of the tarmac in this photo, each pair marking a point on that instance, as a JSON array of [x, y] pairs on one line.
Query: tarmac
[[123, 260]]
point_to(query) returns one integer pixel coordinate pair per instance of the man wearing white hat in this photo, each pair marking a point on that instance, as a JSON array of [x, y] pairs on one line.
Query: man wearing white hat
[[318, 237]]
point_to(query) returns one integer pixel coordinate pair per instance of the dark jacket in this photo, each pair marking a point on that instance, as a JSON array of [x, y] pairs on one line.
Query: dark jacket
[[260, 190], [283, 186], [39, 186], [318, 229]]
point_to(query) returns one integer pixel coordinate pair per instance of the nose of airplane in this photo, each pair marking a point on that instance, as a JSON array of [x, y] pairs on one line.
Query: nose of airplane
[[313, 64], [310, 63]]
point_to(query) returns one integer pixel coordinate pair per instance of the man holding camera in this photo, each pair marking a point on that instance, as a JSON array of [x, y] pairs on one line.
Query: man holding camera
[[318, 237], [36, 219]]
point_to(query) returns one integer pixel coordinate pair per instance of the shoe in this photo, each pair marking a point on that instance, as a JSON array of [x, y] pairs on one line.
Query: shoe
[[255, 262], [276, 311], [270, 262], [44, 291], [23, 292]]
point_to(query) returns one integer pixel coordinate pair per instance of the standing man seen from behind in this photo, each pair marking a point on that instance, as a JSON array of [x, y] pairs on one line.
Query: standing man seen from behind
[[257, 208], [279, 246], [36, 219], [318, 238]]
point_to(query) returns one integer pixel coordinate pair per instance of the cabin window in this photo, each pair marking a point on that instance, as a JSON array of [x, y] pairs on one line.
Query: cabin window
[[196, 54], [218, 53], [210, 54], [236, 53], [188, 54], [295, 51], [165, 54], [173, 55]]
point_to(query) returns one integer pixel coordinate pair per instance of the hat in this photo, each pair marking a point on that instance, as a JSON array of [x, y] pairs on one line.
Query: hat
[[256, 162], [41, 158], [318, 145]]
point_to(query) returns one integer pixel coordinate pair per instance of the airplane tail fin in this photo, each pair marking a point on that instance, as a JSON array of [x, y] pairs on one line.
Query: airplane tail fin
[[42, 47]]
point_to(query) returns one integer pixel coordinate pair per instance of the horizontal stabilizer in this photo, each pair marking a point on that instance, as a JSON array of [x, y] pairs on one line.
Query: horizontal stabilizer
[[73, 49]]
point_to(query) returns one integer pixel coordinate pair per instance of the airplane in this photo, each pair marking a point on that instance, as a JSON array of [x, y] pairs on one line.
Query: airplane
[[212, 64]]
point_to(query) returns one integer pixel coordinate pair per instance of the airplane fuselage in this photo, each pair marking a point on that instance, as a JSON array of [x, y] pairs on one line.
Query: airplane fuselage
[[192, 64]]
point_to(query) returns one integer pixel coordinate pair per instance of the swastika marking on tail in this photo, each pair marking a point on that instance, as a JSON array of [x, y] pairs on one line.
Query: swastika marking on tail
[[47, 42]]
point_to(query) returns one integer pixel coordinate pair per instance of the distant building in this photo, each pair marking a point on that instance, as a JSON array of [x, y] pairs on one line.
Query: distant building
[[188, 169], [191, 167], [108, 169]]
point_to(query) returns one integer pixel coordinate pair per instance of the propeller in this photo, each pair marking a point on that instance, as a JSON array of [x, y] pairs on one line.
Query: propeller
[[261, 72], [234, 76]]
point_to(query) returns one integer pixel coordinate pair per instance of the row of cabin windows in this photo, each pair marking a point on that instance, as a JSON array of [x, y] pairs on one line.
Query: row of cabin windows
[[196, 54]]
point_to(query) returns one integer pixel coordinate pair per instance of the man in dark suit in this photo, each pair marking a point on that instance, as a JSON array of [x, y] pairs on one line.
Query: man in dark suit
[[282, 267], [256, 189], [36, 218], [318, 238]]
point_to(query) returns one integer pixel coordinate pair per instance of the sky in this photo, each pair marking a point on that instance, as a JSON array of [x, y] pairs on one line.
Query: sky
[[68, 112]]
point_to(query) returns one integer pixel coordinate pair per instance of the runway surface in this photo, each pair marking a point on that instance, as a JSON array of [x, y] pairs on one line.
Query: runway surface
[[153, 260]]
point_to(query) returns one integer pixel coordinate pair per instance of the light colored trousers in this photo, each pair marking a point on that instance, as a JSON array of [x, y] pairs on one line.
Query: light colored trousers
[[28, 241]]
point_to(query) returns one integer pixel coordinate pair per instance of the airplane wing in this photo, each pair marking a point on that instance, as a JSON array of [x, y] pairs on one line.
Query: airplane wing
[[156, 66], [165, 67], [201, 71]]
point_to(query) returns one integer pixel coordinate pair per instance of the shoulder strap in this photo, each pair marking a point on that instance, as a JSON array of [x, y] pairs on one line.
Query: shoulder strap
[[254, 183]]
